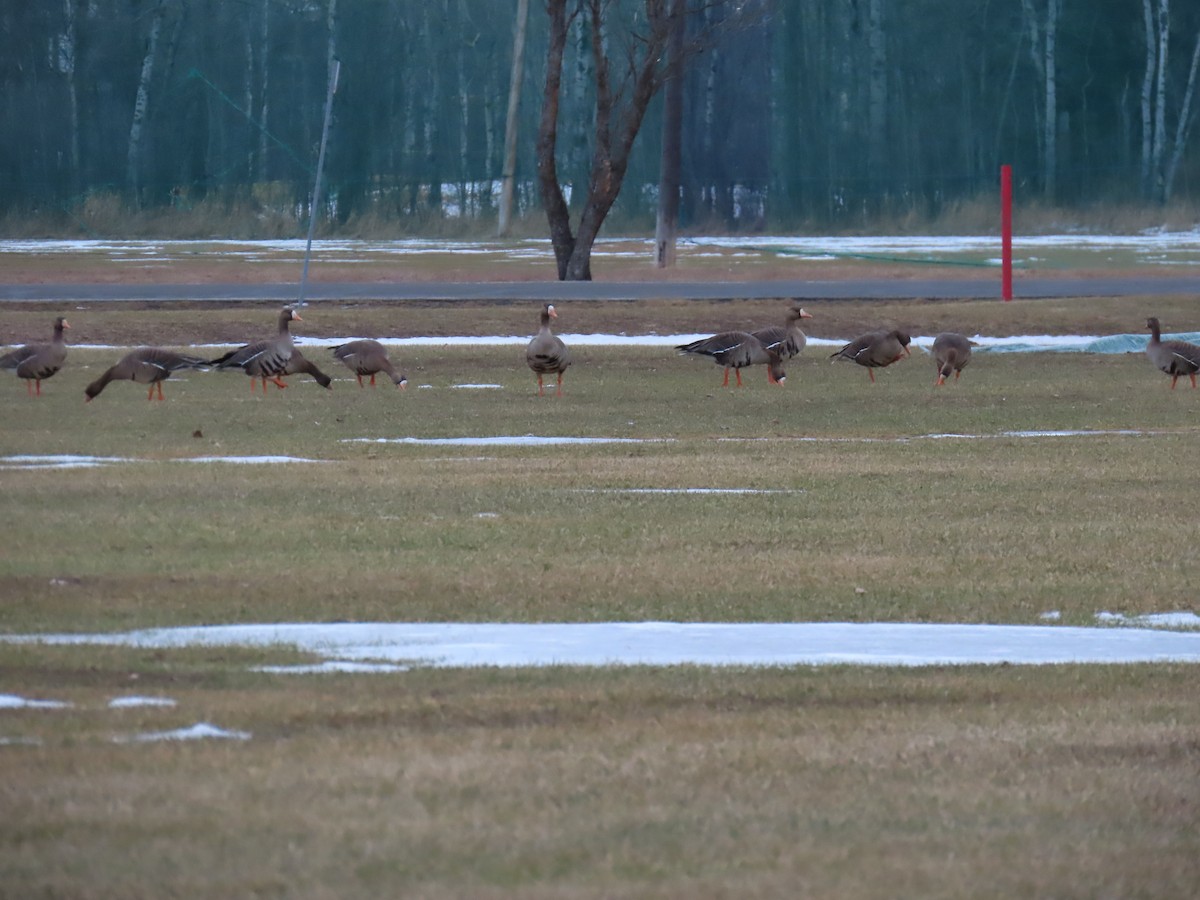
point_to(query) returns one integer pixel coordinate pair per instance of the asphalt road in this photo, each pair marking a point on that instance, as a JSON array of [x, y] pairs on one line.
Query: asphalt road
[[858, 288]]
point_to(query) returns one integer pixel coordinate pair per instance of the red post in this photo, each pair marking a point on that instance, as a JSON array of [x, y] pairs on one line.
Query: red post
[[1006, 290]]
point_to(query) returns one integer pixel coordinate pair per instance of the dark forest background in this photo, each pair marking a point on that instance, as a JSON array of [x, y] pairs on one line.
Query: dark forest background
[[205, 115]]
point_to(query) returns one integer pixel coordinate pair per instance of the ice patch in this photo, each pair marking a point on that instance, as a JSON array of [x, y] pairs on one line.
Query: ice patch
[[526, 440], [14, 701], [690, 491], [249, 460], [199, 731], [334, 666], [1152, 620], [459, 645], [129, 702]]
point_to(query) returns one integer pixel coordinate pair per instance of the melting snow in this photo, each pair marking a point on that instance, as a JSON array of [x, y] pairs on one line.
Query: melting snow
[[195, 732], [13, 701], [127, 702], [526, 440], [674, 643]]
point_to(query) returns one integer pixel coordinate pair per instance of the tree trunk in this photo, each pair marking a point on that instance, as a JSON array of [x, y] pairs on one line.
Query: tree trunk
[[509, 172], [141, 104], [667, 225], [1147, 99], [1160, 102], [1184, 127], [557, 213], [1050, 65], [264, 35], [72, 93], [876, 98]]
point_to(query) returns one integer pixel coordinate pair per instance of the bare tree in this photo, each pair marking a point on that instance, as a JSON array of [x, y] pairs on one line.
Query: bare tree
[[621, 99]]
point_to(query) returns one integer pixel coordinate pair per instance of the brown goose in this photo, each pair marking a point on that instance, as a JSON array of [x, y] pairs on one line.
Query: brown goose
[[546, 353], [1175, 358], [368, 358], [951, 353], [34, 362], [736, 350], [875, 349], [147, 365], [299, 364], [264, 359], [787, 340]]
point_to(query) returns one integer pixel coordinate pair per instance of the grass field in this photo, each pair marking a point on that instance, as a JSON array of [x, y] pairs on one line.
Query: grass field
[[971, 781]]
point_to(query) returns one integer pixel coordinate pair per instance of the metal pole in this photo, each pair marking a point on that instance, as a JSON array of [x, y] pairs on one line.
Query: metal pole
[[1006, 285], [316, 201]]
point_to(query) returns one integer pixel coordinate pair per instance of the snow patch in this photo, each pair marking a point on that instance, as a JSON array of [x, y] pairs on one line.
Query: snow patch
[[199, 731]]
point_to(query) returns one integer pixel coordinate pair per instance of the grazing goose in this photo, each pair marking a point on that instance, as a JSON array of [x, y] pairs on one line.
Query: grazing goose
[[546, 353], [951, 353], [299, 364], [787, 340], [34, 362], [368, 358], [264, 359], [736, 350], [875, 349], [147, 365], [1175, 358]]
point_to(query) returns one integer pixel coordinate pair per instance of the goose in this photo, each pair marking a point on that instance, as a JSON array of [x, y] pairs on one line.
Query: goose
[[368, 358], [146, 365], [546, 353], [787, 340], [736, 350], [875, 349], [265, 359], [299, 364], [951, 353], [1175, 358], [35, 362]]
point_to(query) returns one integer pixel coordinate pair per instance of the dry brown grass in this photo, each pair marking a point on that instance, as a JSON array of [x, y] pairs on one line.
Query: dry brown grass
[[680, 782], [631, 783]]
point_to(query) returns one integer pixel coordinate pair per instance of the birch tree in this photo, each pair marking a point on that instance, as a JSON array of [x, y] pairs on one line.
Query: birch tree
[[667, 223], [1043, 46], [142, 103], [509, 171]]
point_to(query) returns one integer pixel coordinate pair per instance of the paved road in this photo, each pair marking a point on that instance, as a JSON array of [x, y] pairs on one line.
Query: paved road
[[859, 288]]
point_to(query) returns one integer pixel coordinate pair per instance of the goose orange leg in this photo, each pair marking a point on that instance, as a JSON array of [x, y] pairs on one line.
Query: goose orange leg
[[558, 391], [738, 373], [541, 387], [372, 379], [725, 383]]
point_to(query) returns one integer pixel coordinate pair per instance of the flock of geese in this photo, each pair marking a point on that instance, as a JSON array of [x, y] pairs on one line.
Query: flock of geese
[[272, 359]]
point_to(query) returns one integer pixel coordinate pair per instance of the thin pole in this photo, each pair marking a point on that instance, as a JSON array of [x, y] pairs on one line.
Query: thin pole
[[316, 202], [1006, 284]]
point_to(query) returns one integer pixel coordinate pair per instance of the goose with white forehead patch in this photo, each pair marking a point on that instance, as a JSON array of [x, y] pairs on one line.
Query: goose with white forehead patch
[[736, 350], [875, 349], [546, 353], [146, 365], [35, 362], [266, 359], [368, 357], [951, 353], [788, 340], [1174, 358]]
